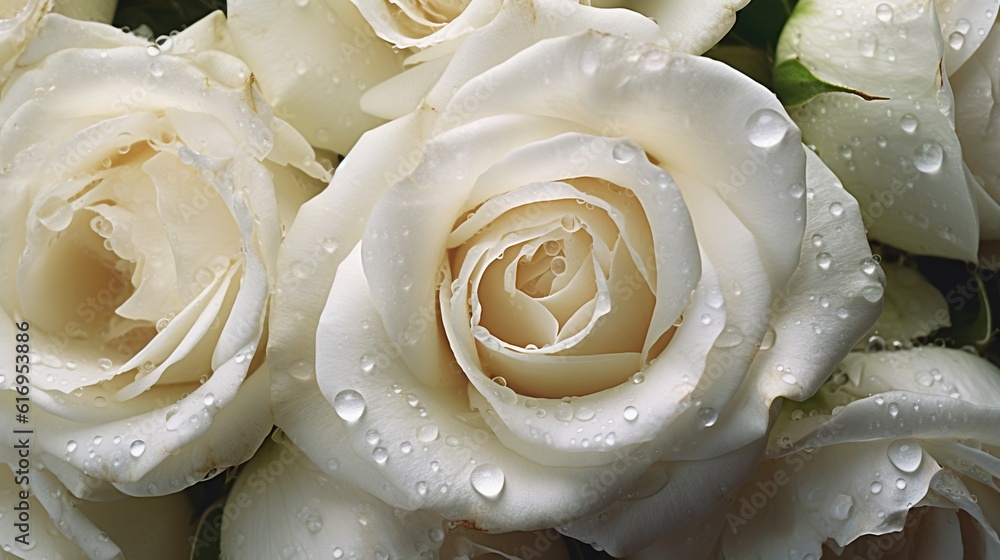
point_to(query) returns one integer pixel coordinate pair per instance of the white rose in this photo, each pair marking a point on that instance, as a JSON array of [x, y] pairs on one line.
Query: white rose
[[60, 526], [898, 444], [569, 293], [19, 18], [321, 62], [146, 190], [897, 98]]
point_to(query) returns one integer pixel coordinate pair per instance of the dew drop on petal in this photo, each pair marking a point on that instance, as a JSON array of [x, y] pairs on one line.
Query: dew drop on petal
[[564, 412], [906, 455], [624, 152], [630, 413], [70, 446], [708, 417], [884, 13], [823, 260], [380, 454], [137, 448], [876, 487], [840, 508], [427, 433], [487, 479], [55, 214], [367, 363], [908, 123], [349, 405], [956, 40], [872, 293], [928, 157], [766, 128]]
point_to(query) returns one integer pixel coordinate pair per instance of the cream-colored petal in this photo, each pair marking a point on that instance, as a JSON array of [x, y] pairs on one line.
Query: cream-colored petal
[[313, 62]]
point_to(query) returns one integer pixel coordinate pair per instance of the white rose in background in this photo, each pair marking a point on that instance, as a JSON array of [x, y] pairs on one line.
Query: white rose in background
[[146, 193], [687, 25], [569, 294], [320, 62], [899, 444], [19, 18], [897, 98], [63, 527]]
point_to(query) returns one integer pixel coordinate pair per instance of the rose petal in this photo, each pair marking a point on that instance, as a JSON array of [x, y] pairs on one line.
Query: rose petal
[[318, 95], [691, 27], [899, 156], [280, 490]]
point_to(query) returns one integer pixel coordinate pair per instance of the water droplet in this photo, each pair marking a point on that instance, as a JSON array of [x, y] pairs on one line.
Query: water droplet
[[209, 399], [558, 265], [329, 245], [427, 433], [836, 209], [928, 157], [380, 454], [884, 14], [570, 223], [956, 40], [487, 479], [767, 341], [868, 44], [708, 417], [876, 487], [730, 336], [435, 535], [630, 413], [367, 363], [638, 377], [349, 405], [338, 553], [788, 378], [893, 409], [823, 260], [70, 446], [584, 413], [924, 378], [372, 437], [624, 152], [104, 364], [908, 123], [840, 508], [564, 412], [872, 293], [766, 128], [900, 483], [905, 454], [137, 448], [55, 213]]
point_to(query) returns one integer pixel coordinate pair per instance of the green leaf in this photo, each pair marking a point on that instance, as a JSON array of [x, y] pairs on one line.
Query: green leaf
[[751, 61], [795, 85]]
